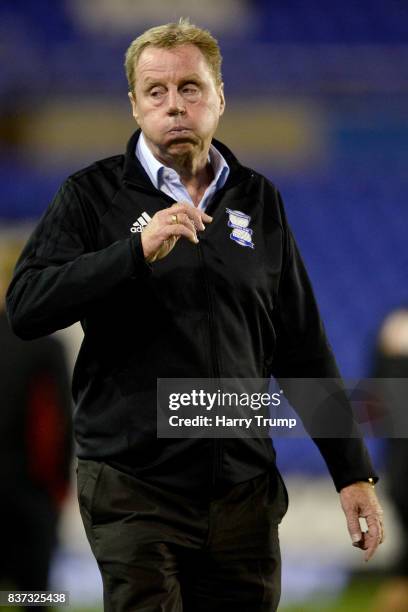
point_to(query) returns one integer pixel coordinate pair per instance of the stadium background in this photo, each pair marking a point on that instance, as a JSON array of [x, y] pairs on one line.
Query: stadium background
[[317, 99]]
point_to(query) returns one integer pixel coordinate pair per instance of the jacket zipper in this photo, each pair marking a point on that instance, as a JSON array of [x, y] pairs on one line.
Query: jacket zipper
[[216, 442]]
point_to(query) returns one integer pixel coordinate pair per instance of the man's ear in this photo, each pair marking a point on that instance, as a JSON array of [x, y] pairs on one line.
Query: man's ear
[[222, 99], [132, 99]]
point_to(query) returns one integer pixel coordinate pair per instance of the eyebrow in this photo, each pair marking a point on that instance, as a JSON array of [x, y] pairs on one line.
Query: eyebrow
[[147, 83], [151, 82], [191, 77]]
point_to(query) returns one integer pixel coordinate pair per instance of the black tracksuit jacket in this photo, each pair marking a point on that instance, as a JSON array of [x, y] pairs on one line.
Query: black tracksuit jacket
[[216, 309]]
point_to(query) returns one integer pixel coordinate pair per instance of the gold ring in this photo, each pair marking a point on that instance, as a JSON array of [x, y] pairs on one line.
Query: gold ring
[[174, 219]]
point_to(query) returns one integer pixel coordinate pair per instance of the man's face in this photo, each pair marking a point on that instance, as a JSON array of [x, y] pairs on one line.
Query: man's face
[[176, 101]]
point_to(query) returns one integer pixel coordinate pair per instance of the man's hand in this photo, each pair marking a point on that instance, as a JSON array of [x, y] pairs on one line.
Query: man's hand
[[166, 227], [359, 500]]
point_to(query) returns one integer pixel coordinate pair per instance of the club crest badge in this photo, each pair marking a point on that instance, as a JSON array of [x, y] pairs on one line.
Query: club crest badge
[[241, 233]]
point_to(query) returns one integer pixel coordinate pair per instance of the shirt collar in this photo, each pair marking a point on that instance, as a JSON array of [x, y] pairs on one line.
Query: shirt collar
[[148, 160], [219, 166]]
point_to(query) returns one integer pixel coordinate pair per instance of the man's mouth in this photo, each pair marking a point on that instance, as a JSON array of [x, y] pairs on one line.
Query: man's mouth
[[180, 135], [179, 130]]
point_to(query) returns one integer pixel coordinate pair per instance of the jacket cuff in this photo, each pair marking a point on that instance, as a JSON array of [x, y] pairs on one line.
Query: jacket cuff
[[353, 480], [347, 459], [141, 265]]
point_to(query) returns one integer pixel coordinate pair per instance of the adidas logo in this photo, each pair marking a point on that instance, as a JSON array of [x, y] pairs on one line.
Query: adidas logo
[[141, 223]]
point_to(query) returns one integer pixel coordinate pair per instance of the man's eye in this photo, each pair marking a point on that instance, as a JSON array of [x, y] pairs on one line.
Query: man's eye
[[190, 89], [156, 93]]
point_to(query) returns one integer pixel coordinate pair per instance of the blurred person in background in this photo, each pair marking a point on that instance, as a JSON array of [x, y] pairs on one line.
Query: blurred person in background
[[392, 362], [35, 449], [186, 524]]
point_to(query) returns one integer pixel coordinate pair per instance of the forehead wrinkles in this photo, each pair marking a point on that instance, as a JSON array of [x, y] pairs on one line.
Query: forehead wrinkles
[[154, 62]]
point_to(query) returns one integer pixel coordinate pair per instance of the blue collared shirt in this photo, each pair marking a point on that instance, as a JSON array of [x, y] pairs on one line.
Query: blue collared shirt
[[167, 180]]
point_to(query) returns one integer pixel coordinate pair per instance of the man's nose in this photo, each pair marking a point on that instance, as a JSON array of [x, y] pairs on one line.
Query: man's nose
[[176, 104]]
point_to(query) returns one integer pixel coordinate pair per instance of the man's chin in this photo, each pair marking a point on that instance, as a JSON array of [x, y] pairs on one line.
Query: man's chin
[[181, 141], [181, 146]]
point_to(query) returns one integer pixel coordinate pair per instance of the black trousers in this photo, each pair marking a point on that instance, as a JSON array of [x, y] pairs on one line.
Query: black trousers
[[159, 551]]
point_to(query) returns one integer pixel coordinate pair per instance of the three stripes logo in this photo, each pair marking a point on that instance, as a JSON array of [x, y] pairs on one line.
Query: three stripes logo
[[140, 224]]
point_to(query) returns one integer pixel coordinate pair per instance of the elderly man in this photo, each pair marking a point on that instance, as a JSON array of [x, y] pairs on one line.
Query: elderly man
[[179, 262]]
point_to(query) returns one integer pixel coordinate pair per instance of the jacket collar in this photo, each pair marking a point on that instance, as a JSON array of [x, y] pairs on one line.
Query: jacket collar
[[134, 173]]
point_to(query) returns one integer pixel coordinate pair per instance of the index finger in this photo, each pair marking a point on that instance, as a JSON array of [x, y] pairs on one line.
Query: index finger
[[194, 213], [374, 536]]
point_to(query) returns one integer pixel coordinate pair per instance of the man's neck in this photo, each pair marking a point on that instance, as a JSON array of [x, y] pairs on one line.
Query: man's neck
[[195, 172], [188, 167], [197, 183]]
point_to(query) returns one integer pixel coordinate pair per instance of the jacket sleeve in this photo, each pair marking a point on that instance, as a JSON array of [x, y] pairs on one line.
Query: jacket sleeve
[[58, 276], [303, 352]]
